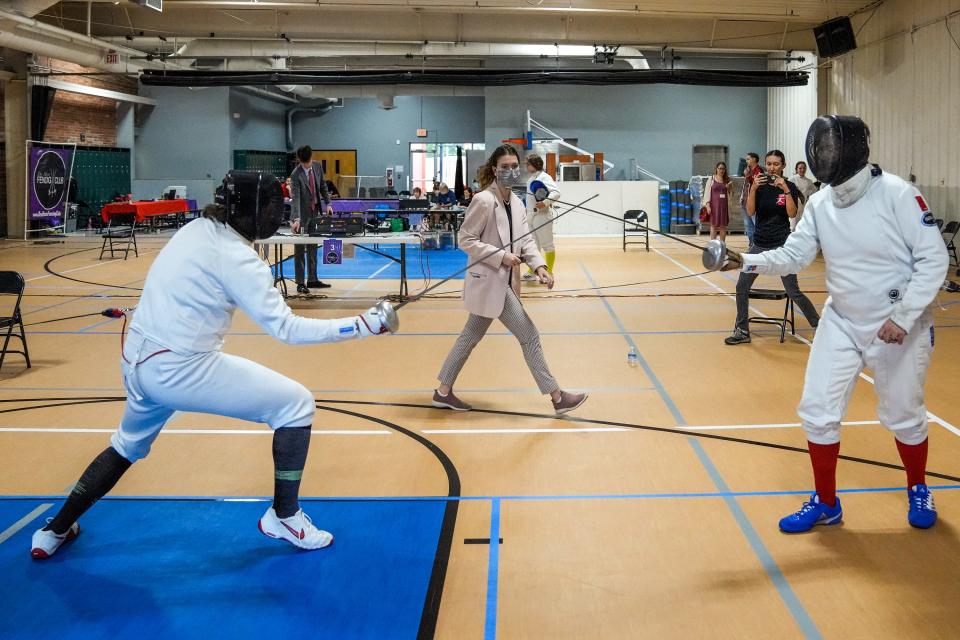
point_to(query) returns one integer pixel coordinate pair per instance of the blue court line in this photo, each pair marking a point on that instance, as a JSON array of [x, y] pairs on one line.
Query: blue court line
[[493, 572], [643, 362], [509, 498], [96, 324], [776, 576], [103, 294]]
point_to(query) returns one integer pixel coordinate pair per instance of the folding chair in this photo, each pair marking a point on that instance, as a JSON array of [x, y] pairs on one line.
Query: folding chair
[[122, 228], [640, 217], [788, 314], [11, 283], [950, 237]]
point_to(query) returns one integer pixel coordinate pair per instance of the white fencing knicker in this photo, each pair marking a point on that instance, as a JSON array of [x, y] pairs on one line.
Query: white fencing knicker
[[160, 382], [899, 371]]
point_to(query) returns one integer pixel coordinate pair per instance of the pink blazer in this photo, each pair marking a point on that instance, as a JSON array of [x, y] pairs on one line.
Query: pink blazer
[[485, 229]]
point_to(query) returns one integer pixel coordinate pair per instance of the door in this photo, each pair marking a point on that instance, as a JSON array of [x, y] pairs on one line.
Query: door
[[706, 157], [337, 163]]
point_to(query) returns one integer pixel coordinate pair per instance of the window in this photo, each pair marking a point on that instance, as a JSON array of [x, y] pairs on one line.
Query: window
[[431, 161]]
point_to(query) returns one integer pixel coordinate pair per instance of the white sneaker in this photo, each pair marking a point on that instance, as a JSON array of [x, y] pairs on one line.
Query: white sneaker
[[46, 543], [298, 530], [529, 276]]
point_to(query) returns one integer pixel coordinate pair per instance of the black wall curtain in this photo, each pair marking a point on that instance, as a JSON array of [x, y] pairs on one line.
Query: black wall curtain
[[41, 104], [477, 77], [458, 180]]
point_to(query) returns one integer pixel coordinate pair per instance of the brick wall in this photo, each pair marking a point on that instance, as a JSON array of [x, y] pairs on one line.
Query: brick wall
[[75, 114]]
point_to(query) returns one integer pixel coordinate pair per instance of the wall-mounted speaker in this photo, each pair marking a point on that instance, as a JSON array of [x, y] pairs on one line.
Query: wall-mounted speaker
[[835, 37]]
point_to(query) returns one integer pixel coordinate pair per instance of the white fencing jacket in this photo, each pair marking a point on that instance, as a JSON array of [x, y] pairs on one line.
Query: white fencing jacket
[[203, 274], [552, 197], [885, 257]]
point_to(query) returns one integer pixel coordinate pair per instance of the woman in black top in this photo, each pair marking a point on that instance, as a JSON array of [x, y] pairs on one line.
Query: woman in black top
[[772, 202]]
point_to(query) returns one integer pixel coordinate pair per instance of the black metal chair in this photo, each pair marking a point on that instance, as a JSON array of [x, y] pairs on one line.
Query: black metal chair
[[122, 231], [640, 217], [950, 237], [939, 222], [788, 314], [12, 284]]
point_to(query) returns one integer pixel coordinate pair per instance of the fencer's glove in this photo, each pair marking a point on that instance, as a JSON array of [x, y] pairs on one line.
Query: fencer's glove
[[370, 324], [734, 261]]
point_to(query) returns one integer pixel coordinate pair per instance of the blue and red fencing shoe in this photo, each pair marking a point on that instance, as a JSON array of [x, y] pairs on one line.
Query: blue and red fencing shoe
[[923, 513], [811, 514], [298, 530], [45, 543]]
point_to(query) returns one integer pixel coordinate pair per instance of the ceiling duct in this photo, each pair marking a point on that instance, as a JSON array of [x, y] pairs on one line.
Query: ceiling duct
[[282, 49]]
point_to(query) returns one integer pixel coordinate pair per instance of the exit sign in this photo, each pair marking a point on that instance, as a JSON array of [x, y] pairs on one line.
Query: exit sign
[[112, 57], [421, 133]]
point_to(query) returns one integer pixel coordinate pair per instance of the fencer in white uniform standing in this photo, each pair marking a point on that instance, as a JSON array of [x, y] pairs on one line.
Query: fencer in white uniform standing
[[885, 263], [540, 213], [172, 359]]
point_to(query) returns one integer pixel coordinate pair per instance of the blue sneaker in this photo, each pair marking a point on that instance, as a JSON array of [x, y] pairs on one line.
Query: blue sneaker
[[811, 514], [923, 513]]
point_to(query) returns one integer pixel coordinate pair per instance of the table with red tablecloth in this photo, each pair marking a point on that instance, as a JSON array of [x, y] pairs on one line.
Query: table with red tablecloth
[[145, 209]]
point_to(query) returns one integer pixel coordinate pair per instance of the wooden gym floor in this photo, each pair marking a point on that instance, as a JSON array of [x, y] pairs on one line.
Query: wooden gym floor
[[652, 513]]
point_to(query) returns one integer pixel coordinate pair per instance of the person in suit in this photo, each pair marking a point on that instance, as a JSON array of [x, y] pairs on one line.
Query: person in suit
[[491, 289], [308, 192]]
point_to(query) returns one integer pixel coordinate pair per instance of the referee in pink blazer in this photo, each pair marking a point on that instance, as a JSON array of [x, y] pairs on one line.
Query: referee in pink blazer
[[491, 289]]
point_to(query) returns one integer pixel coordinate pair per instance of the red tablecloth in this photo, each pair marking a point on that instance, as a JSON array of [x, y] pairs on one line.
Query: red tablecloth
[[144, 209]]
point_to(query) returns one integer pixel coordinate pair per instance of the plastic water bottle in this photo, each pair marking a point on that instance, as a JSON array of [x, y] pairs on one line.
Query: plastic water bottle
[[632, 357]]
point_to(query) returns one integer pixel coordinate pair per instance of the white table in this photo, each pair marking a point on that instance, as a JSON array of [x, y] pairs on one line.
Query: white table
[[402, 239]]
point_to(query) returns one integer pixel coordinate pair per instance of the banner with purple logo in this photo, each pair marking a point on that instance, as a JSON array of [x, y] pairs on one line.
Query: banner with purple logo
[[48, 180]]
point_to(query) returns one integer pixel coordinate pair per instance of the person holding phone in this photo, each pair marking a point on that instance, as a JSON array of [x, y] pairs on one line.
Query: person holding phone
[[771, 202]]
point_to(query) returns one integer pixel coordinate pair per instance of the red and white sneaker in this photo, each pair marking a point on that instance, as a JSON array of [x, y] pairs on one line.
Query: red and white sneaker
[[46, 543], [298, 530]]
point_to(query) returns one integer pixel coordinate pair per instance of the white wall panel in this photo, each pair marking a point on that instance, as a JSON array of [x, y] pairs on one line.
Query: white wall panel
[[904, 81], [614, 198], [790, 110]]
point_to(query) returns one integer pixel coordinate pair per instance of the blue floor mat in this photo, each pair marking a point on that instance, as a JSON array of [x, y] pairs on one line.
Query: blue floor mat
[[439, 264], [200, 569]]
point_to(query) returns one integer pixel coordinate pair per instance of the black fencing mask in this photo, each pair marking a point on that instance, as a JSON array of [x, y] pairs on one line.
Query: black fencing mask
[[838, 147], [254, 203]]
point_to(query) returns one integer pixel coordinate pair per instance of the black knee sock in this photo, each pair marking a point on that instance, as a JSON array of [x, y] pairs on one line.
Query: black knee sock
[[101, 476], [290, 445]]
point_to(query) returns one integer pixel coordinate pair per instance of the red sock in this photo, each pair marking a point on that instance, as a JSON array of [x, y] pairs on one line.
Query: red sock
[[914, 458], [824, 457]]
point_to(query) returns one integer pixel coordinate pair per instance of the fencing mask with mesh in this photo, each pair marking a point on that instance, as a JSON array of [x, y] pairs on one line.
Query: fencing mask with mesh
[[838, 147], [254, 203]]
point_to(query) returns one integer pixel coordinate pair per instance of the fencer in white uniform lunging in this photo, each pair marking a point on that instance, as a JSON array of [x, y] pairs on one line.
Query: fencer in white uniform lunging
[[885, 262], [171, 360]]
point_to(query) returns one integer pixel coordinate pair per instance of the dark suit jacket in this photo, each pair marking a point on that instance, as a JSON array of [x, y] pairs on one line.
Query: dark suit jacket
[[300, 205]]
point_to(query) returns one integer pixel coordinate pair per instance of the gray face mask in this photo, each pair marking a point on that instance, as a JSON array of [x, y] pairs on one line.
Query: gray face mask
[[508, 177]]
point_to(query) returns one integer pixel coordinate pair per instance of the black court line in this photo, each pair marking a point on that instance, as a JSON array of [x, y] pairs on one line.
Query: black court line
[[46, 267], [480, 541], [431, 605], [77, 400], [643, 427], [441, 560]]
